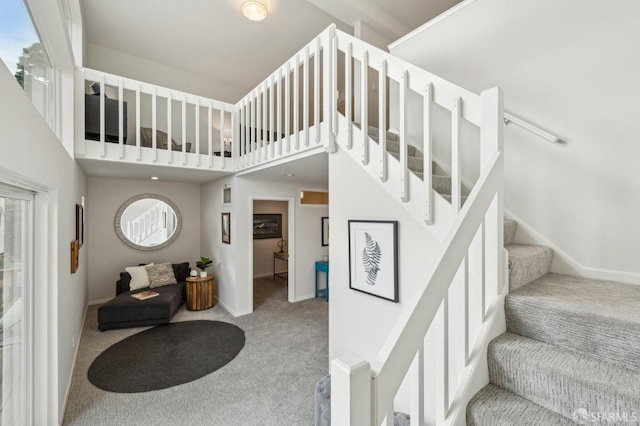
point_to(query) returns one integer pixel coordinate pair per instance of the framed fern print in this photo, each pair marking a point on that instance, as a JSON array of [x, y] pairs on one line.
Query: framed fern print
[[373, 258]]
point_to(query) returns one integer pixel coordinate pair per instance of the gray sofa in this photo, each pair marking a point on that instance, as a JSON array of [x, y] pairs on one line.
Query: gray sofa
[[124, 311]]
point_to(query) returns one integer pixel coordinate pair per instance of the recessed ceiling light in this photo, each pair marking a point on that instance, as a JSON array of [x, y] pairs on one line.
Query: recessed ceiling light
[[254, 10], [154, 178], [289, 174]]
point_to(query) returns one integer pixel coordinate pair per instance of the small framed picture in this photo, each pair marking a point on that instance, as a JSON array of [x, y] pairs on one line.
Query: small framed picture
[[325, 231], [373, 258], [80, 224], [226, 228], [267, 226]]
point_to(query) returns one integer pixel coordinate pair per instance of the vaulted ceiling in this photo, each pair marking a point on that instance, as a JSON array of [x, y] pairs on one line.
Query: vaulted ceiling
[[211, 38]]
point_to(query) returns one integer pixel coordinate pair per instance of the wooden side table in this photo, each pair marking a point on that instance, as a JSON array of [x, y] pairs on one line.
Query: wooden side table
[[201, 293]]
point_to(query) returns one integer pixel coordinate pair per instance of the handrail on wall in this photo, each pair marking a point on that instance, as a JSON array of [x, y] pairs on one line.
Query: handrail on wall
[[508, 118]]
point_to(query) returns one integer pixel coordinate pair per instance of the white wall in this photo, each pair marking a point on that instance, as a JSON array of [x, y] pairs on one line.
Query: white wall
[[31, 153], [109, 256], [359, 323], [233, 265], [566, 67], [224, 255], [114, 62], [263, 249]]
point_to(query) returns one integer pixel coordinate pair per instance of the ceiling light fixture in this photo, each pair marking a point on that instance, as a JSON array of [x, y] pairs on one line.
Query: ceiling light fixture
[[289, 174], [254, 10], [154, 178]]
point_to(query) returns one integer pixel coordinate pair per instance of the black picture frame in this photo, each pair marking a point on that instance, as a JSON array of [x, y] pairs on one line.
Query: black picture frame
[[225, 228], [267, 226], [325, 231], [80, 224], [373, 258]]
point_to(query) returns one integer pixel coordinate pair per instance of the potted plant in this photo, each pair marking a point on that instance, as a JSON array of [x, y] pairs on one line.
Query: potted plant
[[203, 264]]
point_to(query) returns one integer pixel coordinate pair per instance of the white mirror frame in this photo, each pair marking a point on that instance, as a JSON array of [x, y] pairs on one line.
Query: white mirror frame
[[127, 241]]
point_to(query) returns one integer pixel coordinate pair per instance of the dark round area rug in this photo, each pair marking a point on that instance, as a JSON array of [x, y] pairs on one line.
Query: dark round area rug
[[166, 356]]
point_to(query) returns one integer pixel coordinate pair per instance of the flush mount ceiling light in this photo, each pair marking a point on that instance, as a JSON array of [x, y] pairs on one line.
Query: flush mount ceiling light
[[254, 10], [154, 178]]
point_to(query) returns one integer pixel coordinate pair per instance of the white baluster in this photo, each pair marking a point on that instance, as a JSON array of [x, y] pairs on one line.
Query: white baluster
[[296, 102], [417, 388], [222, 128], [428, 157], [138, 144], [184, 130], [305, 92], [316, 91], [364, 106], [287, 109], [404, 170], [382, 119], [348, 104], [169, 126], [197, 137], [103, 147], [279, 109], [456, 183], [154, 138], [121, 128]]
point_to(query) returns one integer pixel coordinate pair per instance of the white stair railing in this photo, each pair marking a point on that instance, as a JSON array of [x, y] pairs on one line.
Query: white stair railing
[[178, 115], [284, 115]]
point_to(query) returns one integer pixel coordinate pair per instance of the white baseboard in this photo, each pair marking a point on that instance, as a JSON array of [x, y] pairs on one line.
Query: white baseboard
[[231, 311], [99, 301], [73, 368], [564, 263], [305, 297]]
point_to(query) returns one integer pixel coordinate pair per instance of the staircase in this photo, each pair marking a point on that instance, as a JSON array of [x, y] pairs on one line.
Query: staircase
[[569, 353]]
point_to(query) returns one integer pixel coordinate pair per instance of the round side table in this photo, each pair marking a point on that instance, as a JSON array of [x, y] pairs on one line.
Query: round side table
[[201, 293]]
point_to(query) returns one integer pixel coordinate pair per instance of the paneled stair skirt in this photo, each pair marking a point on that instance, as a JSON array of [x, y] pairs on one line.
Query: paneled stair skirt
[[571, 353], [323, 406]]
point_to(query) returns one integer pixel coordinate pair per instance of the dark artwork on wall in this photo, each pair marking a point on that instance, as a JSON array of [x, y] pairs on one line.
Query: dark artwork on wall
[[267, 226], [80, 224]]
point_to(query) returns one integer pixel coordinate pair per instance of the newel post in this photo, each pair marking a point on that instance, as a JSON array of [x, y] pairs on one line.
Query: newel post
[[350, 391], [491, 144]]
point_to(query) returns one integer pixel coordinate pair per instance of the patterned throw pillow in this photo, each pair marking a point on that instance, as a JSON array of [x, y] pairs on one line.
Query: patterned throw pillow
[[160, 275], [139, 277]]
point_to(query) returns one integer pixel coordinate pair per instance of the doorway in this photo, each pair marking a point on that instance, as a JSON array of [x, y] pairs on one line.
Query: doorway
[[272, 254]]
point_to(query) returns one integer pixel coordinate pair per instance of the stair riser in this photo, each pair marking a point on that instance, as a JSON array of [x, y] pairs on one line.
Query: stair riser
[[526, 267], [561, 380], [414, 164], [493, 406], [587, 333], [510, 228]]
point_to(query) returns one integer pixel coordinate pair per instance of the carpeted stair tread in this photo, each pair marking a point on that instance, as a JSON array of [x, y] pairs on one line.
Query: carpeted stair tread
[[413, 163], [510, 227], [441, 184], [599, 318], [527, 262], [559, 379], [493, 406]]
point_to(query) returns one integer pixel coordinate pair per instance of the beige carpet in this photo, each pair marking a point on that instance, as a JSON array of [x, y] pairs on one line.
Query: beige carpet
[[271, 381]]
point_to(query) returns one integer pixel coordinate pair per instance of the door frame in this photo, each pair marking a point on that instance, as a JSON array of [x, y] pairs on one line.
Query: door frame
[[291, 287]]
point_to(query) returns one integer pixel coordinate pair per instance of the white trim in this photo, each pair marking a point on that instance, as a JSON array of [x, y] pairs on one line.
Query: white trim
[[306, 297], [73, 367], [563, 262], [291, 285], [566, 264], [283, 160], [99, 301], [432, 23], [231, 311]]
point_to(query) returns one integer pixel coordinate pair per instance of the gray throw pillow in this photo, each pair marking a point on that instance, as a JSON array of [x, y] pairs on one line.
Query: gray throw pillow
[[160, 275]]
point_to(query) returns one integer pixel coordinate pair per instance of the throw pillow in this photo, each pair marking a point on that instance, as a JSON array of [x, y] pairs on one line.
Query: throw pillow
[[139, 277], [161, 275], [181, 271]]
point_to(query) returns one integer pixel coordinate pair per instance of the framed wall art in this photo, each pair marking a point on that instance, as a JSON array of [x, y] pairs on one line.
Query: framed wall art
[[226, 228], [325, 231], [373, 258], [267, 226]]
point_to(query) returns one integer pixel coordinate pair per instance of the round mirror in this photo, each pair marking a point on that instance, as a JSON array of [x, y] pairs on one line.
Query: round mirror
[[148, 222]]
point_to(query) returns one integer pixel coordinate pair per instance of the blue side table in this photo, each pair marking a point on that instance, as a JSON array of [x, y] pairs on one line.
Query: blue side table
[[323, 267]]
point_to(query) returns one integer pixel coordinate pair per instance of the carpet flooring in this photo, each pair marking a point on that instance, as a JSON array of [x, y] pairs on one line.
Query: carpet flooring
[[270, 382]]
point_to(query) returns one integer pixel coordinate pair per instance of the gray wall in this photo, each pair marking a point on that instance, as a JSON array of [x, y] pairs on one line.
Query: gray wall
[[109, 256]]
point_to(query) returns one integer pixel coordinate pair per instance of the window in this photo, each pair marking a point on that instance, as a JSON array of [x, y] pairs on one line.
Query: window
[[15, 286], [23, 53]]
